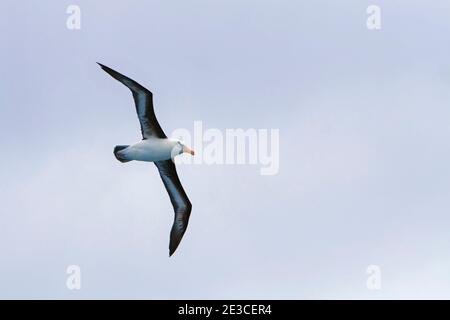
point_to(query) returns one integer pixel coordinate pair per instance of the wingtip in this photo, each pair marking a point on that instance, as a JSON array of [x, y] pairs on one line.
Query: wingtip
[[172, 250], [110, 71], [173, 247]]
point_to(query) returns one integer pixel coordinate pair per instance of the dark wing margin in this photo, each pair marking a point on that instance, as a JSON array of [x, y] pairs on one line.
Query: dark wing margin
[[180, 202], [143, 100]]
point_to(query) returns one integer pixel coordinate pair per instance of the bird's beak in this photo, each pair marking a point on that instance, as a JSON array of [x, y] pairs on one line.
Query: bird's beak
[[188, 150]]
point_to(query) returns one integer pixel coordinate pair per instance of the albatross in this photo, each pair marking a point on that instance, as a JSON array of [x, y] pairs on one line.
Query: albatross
[[157, 148]]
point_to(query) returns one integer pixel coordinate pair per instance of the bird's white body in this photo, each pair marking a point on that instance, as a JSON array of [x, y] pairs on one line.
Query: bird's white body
[[151, 150]]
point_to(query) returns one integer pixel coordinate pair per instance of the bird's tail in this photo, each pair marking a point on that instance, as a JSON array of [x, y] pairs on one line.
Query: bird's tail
[[120, 155]]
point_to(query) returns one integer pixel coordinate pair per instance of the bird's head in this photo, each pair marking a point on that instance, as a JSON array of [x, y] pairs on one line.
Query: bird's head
[[180, 148]]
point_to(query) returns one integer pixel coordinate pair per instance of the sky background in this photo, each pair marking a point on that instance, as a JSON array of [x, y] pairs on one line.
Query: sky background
[[364, 149]]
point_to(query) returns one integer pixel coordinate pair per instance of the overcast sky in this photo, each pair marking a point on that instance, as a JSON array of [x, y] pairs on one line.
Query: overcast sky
[[364, 149]]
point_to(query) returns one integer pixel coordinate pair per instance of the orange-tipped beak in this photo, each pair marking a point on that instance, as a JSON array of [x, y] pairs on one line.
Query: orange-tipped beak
[[188, 150]]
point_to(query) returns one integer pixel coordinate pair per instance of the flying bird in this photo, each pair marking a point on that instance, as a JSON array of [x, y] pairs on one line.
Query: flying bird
[[156, 147]]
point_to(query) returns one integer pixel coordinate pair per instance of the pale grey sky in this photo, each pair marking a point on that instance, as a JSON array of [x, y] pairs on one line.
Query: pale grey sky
[[364, 149]]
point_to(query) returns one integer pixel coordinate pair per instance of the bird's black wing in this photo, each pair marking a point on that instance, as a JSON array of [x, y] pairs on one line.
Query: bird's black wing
[[180, 202], [143, 99]]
